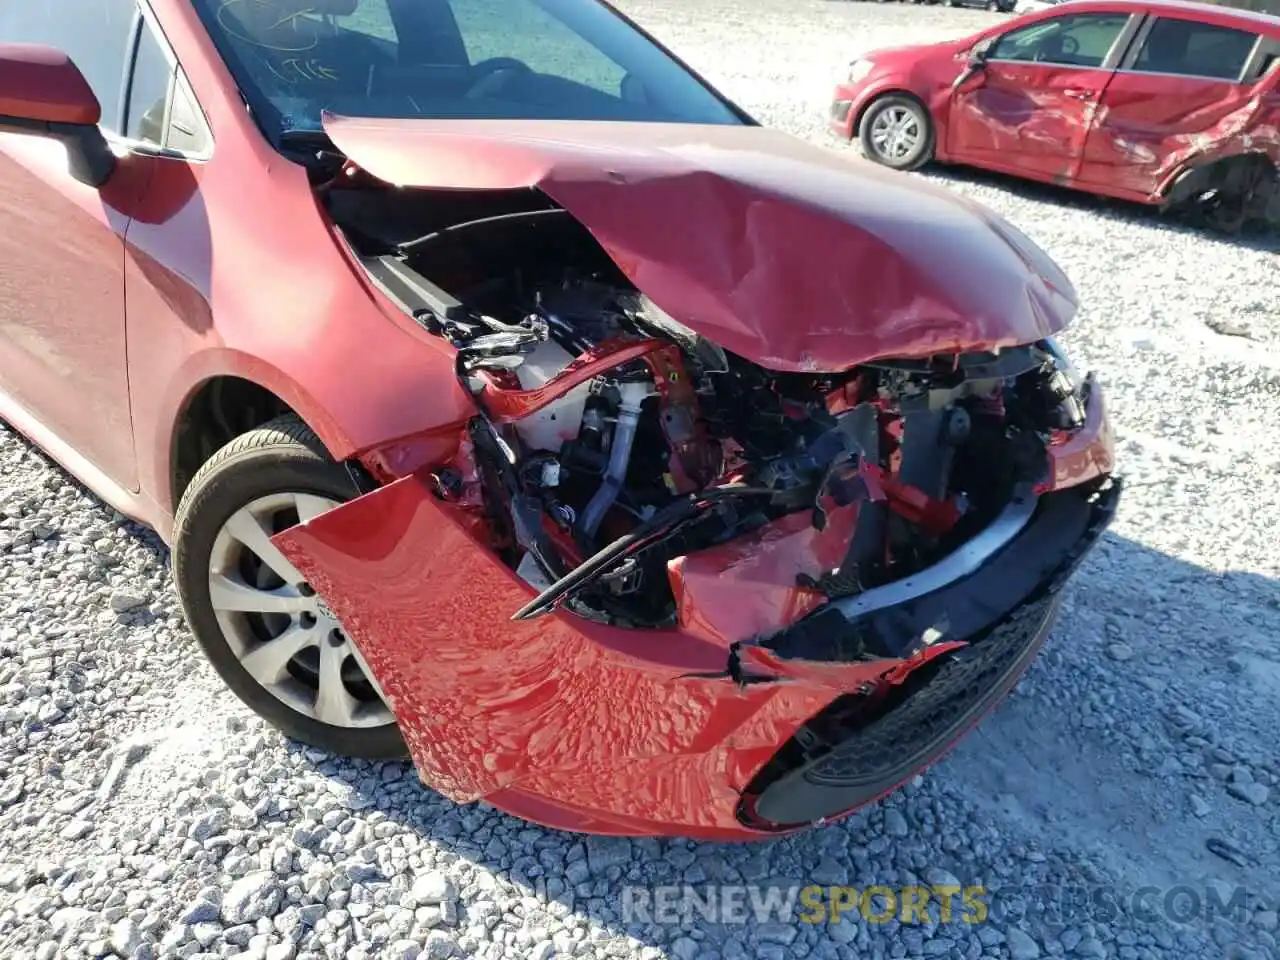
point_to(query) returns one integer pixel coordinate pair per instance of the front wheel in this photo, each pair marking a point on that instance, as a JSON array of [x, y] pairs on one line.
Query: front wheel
[[270, 637], [896, 131]]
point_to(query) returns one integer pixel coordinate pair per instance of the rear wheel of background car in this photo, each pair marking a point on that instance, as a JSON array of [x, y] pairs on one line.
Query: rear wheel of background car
[[273, 641], [897, 132], [1249, 183]]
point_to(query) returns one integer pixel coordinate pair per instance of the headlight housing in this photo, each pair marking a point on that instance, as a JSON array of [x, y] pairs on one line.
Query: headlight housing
[[1064, 364], [1065, 389], [859, 69]]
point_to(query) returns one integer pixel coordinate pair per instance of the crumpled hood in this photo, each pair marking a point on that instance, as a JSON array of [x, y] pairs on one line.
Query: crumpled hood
[[787, 254]]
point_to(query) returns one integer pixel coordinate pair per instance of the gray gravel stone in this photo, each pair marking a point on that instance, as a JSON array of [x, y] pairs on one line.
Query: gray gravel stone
[[403, 950], [251, 898], [895, 824], [1021, 946], [125, 600], [1249, 791], [439, 946], [432, 888], [1120, 651]]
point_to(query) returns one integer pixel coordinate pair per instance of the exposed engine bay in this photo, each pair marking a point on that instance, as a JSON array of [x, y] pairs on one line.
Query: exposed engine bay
[[612, 439]]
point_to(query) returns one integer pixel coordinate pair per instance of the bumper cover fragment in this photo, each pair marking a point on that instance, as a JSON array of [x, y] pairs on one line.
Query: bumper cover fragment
[[1004, 611]]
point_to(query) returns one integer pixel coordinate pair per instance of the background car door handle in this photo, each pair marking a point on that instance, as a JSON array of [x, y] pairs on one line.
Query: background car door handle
[[1079, 94]]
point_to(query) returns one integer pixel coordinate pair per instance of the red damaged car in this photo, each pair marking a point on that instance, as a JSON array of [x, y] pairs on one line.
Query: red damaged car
[[512, 400], [1160, 102]]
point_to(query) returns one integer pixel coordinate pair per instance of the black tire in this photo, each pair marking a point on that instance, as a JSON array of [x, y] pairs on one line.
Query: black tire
[[283, 456], [1240, 199], [920, 155]]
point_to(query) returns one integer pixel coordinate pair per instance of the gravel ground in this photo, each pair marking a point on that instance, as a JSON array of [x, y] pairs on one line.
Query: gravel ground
[[144, 813]]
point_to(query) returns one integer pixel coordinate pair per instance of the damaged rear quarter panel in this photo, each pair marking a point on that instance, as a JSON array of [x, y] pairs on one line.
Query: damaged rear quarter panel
[[1150, 127], [582, 713]]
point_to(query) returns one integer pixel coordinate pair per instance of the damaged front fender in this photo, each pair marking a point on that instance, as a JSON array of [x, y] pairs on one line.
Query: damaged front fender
[[558, 720]]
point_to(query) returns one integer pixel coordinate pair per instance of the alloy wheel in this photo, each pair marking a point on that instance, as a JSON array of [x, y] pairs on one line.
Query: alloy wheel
[[896, 132], [283, 633]]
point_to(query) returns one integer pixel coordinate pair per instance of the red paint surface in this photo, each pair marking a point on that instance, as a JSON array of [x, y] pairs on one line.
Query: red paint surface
[[748, 586], [1029, 116], [739, 231], [593, 718], [1150, 127], [1078, 456], [39, 83], [175, 240], [1120, 134]]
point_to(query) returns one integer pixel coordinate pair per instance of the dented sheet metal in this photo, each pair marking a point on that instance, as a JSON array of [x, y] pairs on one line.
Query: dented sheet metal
[[558, 707], [562, 720], [1151, 127], [777, 250], [571, 723]]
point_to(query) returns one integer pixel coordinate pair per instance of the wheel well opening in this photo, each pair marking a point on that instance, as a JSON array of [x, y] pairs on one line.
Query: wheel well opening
[[222, 409], [1221, 172]]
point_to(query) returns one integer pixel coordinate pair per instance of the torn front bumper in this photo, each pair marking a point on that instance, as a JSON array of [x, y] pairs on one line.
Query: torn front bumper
[[993, 620], [585, 727]]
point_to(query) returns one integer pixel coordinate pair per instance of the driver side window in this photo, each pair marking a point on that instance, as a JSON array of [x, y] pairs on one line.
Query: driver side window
[[522, 30], [1083, 40]]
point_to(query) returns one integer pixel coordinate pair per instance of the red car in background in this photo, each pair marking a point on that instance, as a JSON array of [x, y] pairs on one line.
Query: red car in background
[[512, 400], [1164, 103]]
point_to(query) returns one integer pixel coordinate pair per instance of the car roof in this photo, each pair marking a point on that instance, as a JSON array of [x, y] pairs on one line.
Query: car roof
[[1264, 22]]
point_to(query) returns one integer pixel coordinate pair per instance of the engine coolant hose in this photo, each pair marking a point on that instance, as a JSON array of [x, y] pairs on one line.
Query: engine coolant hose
[[624, 434]]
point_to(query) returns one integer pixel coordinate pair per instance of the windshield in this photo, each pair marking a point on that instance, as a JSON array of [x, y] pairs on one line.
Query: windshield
[[462, 59]]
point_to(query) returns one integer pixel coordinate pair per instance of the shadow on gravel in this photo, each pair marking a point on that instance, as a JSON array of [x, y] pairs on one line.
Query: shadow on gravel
[[1107, 794], [1253, 237]]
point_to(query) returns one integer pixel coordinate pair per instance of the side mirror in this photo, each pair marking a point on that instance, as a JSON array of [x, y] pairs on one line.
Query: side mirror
[[43, 93], [633, 91], [978, 57]]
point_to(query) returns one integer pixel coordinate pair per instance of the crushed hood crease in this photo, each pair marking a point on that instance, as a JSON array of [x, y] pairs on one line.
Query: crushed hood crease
[[782, 252]]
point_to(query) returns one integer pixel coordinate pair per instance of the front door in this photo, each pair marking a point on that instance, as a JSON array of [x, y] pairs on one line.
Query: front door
[[62, 323], [1028, 107]]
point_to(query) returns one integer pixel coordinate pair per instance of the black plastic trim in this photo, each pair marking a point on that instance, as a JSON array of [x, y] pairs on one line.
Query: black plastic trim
[[89, 156], [1003, 611]]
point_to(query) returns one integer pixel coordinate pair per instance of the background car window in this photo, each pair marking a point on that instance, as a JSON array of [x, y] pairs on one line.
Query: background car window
[[149, 91], [520, 29], [1188, 48], [1083, 40], [93, 33]]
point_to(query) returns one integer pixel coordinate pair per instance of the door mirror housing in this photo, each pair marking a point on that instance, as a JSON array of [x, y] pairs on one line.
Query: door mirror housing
[[43, 93], [978, 53], [632, 90]]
